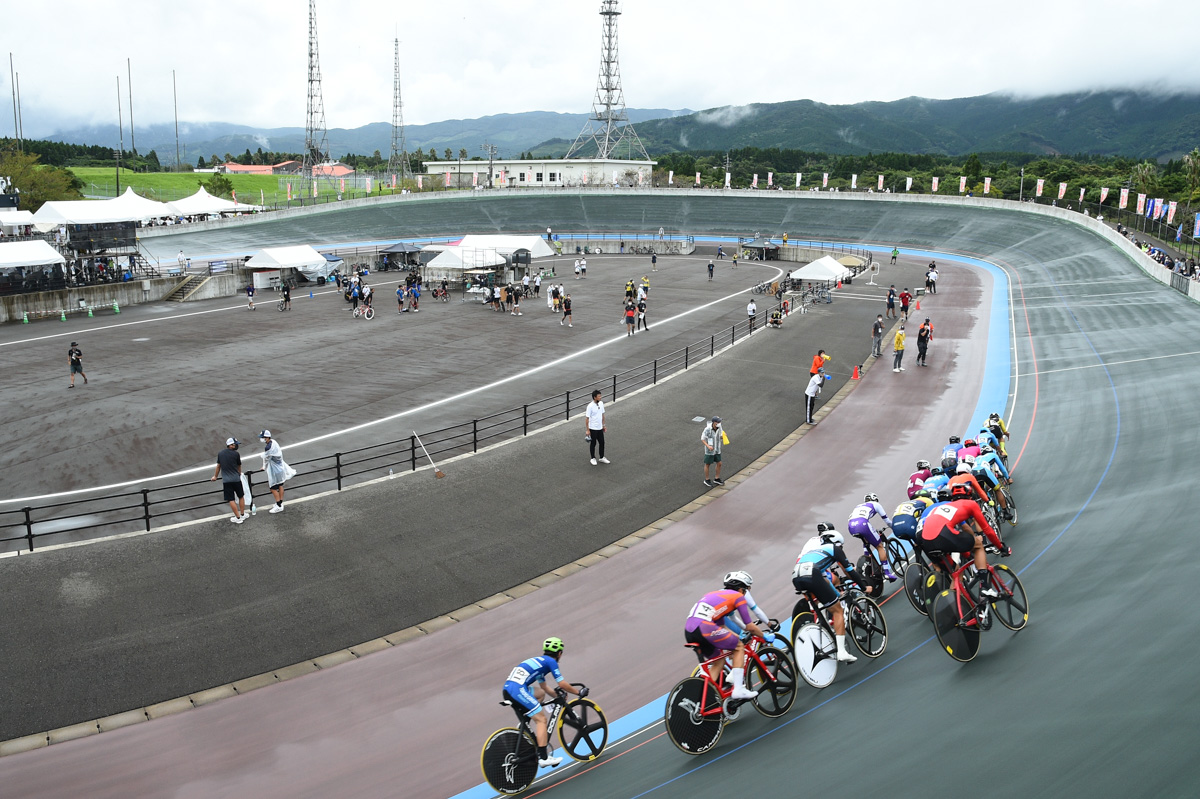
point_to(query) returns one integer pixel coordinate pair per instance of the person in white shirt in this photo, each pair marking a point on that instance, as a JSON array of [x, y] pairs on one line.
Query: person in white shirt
[[751, 312], [811, 393], [576, 268], [593, 422]]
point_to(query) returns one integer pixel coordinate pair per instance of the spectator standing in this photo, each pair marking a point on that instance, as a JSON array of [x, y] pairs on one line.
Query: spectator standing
[[895, 253], [645, 286], [278, 472], [577, 269], [931, 278], [924, 336], [516, 302], [182, 260], [75, 361], [660, 234], [630, 317], [818, 362], [287, 296], [898, 348], [566, 307], [811, 392], [250, 296], [712, 436], [877, 337], [229, 469], [641, 309], [525, 285], [537, 285], [594, 427], [653, 262], [583, 268], [751, 313], [891, 302], [720, 252], [905, 299], [710, 270]]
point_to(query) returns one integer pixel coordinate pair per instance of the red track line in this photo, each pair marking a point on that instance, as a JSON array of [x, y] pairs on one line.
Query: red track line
[[596, 766]]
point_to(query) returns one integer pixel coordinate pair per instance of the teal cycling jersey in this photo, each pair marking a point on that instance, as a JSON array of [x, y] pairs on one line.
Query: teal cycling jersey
[[992, 460]]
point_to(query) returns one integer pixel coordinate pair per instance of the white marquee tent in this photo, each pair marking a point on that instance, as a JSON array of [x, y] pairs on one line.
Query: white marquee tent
[[129, 207], [506, 245], [11, 220], [28, 253], [202, 204], [824, 268], [303, 258]]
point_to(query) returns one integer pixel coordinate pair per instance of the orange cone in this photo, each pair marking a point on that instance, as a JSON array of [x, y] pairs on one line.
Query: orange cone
[[855, 375], [918, 305], [839, 285]]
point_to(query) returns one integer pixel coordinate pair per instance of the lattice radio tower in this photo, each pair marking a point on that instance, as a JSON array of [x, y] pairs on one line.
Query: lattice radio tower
[[316, 142], [608, 129], [398, 161]]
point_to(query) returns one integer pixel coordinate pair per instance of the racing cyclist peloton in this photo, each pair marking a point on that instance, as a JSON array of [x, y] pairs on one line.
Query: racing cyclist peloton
[[706, 629], [810, 575], [950, 455], [988, 471], [543, 673], [859, 526], [959, 526], [916, 480], [1000, 430]]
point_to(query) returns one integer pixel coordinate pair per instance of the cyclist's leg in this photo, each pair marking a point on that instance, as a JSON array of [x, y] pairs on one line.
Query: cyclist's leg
[[531, 708]]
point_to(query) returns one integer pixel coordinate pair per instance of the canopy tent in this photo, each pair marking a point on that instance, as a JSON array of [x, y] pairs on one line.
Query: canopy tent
[[303, 259], [203, 204], [457, 258], [10, 220], [537, 246], [824, 268], [28, 253], [402, 246], [129, 207]]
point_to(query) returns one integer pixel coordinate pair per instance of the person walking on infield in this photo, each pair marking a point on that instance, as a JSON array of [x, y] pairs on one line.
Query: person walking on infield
[[931, 278], [583, 268], [250, 296], [891, 302], [278, 472], [751, 313], [924, 336], [710, 270], [641, 310], [516, 302], [229, 469], [811, 392], [537, 286], [895, 252], [400, 298], [576, 268], [594, 427], [645, 285], [630, 317], [654, 262], [712, 437], [287, 296], [566, 307], [905, 299], [75, 361], [877, 337], [898, 348]]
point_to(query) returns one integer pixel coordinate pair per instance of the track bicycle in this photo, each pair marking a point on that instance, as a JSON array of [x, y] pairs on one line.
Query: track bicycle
[[922, 582], [282, 305], [698, 708], [814, 645], [870, 570], [365, 311], [510, 759], [959, 615]]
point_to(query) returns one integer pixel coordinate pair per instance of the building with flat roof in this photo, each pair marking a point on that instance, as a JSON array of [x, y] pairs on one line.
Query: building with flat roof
[[541, 173]]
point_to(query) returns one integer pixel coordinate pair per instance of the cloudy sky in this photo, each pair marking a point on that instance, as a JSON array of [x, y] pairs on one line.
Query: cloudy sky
[[245, 62]]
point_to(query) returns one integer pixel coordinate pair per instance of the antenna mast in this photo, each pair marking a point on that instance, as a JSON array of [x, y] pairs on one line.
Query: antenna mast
[[316, 143], [604, 129], [398, 160]]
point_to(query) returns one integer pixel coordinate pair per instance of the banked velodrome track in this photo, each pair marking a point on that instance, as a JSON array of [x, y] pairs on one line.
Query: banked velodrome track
[[1095, 697]]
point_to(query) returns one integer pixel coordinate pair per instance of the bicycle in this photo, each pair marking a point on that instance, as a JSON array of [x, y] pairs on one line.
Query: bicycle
[[870, 569], [365, 311], [922, 582], [698, 708], [282, 305], [813, 642], [959, 616], [762, 288], [509, 759]]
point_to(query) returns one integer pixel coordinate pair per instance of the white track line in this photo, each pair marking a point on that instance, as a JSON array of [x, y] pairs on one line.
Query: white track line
[[461, 395], [1114, 363]]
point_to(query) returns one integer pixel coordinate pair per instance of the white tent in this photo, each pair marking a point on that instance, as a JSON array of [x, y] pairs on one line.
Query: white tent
[[28, 253], [303, 258], [824, 268], [202, 204], [129, 207], [10, 220], [506, 245]]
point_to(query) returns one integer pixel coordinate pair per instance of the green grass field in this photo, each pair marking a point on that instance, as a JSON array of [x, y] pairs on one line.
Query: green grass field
[[167, 186]]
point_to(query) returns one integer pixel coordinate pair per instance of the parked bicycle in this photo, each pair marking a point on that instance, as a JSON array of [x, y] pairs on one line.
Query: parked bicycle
[[365, 311]]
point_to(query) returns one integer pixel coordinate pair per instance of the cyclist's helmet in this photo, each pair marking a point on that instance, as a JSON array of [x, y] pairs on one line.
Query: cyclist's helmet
[[995, 417], [970, 442], [871, 498], [986, 449], [738, 580], [554, 648], [955, 439], [960, 490], [922, 464], [825, 527], [945, 493], [935, 470], [833, 537], [924, 493]]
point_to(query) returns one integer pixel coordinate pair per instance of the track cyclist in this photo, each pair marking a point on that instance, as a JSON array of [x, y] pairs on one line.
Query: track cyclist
[[705, 627], [906, 519], [916, 480], [1000, 430], [811, 575], [964, 485], [989, 470], [950, 455], [937, 480], [543, 673], [959, 526], [859, 526]]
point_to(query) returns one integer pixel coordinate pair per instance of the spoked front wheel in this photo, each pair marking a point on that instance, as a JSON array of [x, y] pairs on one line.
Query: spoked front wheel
[[867, 625], [583, 729], [1012, 608], [693, 716], [816, 655], [899, 556], [369, 314], [955, 624], [509, 761], [775, 681], [870, 575]]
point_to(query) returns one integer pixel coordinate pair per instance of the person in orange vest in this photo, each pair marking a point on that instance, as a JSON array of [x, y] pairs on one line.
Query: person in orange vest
[[924, 336], [819, 361]]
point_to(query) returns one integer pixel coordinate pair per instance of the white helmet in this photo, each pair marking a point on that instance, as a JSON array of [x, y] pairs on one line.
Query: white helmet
[[963, 468], [738, 579], [833, 537]]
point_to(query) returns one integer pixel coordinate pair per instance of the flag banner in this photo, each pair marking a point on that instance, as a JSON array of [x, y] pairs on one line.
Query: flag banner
[[854, 181], [393, 181], [368, 184], [825, 179], [1150, 209], [447, 180], [962, 184], [1196, 229], [342, 185], [697, 178], [1124, 203], [754, 183], [798, 176], [1062, 190], [1160, 206], [1103, 195], [639, 177], [314, 188], [503, 177], [770, 178], [262, 197], [1179, 233], [289, 192], [420, 182], [670, 178], [1141, 204], [933, 187], [1041, 185], [529, 177], [474, 179], [908, 184], [615, 180], [1081, 193], [880, 183], [234, 193], [728, 176], [585, 178], [987, 185]]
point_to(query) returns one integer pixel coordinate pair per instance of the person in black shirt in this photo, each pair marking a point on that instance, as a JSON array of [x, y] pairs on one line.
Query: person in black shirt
[[75, 359], [287, 296], [229, 469], [641, 310], [924, 336]]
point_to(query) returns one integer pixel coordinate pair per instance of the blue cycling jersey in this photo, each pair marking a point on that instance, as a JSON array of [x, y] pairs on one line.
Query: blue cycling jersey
[[951, 451], [822, 558], [930, 508], [936, 483], [991, 458], [535, 669], [986, 437]]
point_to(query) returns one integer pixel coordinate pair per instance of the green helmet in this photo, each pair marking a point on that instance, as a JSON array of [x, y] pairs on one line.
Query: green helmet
[[553, 647]]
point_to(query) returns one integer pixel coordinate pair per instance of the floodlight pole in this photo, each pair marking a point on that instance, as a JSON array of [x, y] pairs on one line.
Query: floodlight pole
[[1021, 196], [121, 131], [490, 149], [175, 95]]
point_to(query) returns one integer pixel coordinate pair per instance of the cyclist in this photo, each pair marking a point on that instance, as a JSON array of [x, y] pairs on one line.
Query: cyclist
[[959, 526], [987, 470], [731, 620], [811, 575], [950, 455], [916, 480], [970, 449], [1000, 431], [936, 480], [859, 526], [964, 485], [906, 518], [987, 437], [541, 672], [705, 628]]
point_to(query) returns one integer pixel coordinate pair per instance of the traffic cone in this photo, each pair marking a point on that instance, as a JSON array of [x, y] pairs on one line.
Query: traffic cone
[[62, 316], [25, 318], [839, 285], [918, 305], [310, 295], [855, 375], [89, 312], [116, 308]]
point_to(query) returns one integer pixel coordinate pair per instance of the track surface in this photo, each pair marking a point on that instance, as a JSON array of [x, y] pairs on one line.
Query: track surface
[[1072, 685]]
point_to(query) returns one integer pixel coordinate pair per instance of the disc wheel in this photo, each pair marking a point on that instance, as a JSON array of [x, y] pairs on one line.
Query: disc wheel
[[799, 619], [914, 580], [583, 729], [775, 681], [957, 631], [867, 625], [509, 761], [693, 716], [816, 655], [1012, 608]]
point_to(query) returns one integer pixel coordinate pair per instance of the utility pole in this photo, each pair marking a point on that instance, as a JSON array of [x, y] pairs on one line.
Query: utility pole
[[12, 80], [129, 72], [175, 96], [490, 149], [121, 130], [20, 113], [1021, 196]]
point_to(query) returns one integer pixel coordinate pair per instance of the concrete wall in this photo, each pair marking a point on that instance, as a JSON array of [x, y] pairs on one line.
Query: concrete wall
[[226, 285], [100, 298]]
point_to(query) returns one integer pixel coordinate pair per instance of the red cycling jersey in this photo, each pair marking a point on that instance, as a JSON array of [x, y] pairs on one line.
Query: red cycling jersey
[[949, 515], [966, 478]]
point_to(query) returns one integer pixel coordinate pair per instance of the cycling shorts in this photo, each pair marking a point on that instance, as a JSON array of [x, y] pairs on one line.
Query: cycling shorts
[[987, 478], [905, 526], [949, 465], [524, 702], [817, 585], [861, 528], [710, 639], [947, 541]]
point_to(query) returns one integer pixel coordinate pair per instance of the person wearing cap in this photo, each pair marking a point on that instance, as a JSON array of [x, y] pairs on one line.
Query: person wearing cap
[[924, 336], [811, 392], [712, 437], [278, 472], [75, 360], [229, 469]]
